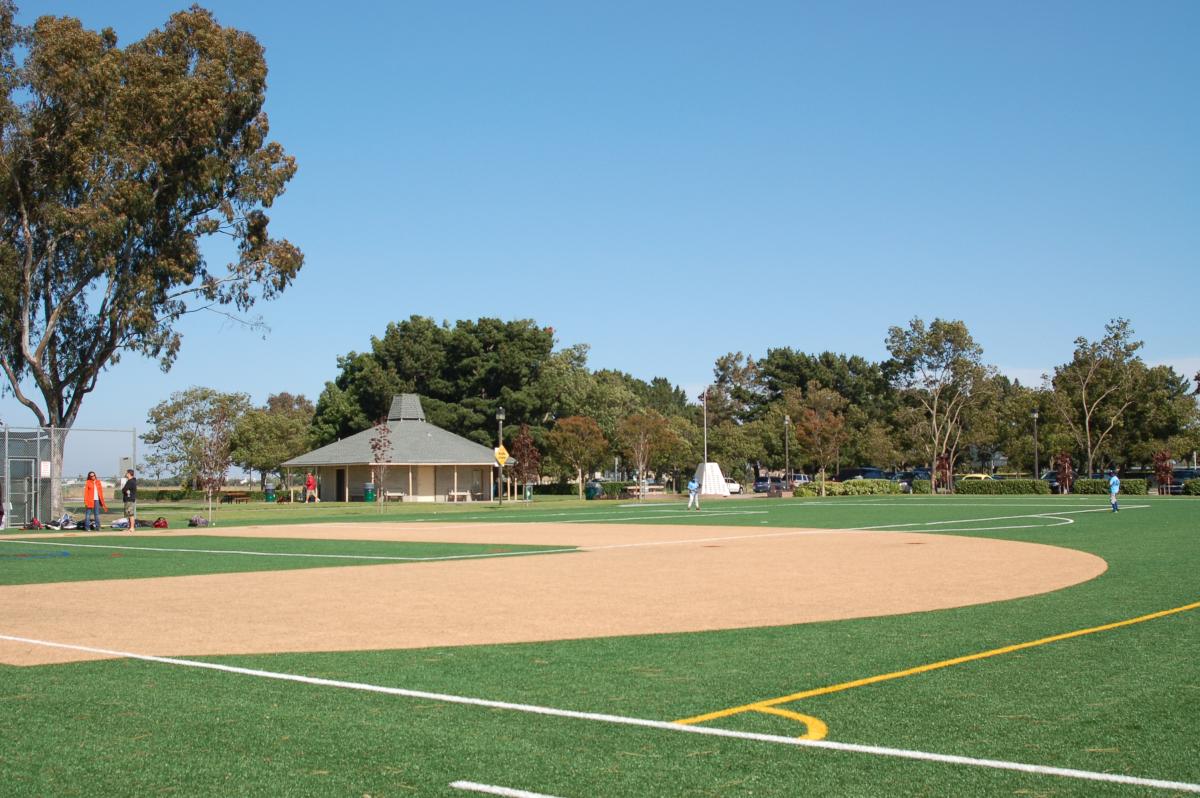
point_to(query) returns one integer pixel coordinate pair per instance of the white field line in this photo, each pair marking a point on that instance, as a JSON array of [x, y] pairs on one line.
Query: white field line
[[902, 503], [661, 515], [1001, 518], [290, 554], [661, 725], [491, 789], [542, 517]]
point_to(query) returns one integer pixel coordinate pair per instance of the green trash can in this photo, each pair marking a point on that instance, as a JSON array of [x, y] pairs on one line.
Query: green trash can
[[592, 491], [369, 492], [529, 493], [269, 493]]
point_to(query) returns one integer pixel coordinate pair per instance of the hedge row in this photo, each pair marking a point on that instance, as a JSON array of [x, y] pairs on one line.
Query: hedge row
[[1191, 487], [556, 489], [1133, 487], [167, 494], [853, 487], [612, 490], [1002, 487]]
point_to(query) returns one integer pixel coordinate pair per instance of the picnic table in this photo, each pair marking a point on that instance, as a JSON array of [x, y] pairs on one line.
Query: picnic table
[[650, 490], [235, 496]]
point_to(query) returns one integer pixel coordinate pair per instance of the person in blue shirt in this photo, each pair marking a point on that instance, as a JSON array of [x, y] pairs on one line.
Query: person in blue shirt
[[693, 493], [1114, 486]]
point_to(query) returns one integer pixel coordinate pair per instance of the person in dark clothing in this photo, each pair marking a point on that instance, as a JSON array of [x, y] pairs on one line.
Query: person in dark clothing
[[129, 496]]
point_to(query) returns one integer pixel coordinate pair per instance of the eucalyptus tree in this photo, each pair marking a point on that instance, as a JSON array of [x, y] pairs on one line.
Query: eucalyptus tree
[[115, 164], [940, 368], [1091, 393]]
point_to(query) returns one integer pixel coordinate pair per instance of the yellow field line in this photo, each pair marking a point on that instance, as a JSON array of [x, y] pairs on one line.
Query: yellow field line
[[760, 705], [816, 727]]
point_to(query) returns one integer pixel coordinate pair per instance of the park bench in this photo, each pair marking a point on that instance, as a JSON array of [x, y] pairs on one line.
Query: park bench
[[235, 497], [458, 496]]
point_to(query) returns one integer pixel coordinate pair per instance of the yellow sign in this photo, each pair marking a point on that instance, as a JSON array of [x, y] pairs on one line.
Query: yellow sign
[[501, 455]]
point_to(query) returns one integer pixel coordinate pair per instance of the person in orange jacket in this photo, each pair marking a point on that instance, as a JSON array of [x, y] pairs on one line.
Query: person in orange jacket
[[93, 501]]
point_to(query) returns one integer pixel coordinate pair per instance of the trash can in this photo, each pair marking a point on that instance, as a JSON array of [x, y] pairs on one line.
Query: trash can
[[529, 493], [592, 491], [269, 493], [369, 492]]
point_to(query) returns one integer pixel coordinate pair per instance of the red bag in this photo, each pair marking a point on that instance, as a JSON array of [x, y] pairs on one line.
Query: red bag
[[160, 523]]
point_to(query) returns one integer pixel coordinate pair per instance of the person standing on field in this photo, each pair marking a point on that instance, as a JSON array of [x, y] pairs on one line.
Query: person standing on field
[[93, 501], [693, 493], [1114, 487], [310, 488], [129, 496]]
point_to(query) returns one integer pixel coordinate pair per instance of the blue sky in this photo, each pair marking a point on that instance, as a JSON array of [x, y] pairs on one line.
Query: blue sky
[[669, 181]]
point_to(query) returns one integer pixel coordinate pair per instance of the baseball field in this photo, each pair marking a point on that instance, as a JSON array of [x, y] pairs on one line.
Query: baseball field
[[758, 647]]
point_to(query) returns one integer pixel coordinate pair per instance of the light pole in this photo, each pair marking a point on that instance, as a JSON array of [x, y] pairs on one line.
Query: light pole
[[1037, 473], [704, 396], [500, 420], [787, 463]]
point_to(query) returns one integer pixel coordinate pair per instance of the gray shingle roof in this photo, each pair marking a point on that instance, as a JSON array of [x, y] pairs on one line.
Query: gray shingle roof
[[413, 443], [406, 407]]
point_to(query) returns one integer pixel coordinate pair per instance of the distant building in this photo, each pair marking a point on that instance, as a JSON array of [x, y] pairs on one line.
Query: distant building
[[426, 464]]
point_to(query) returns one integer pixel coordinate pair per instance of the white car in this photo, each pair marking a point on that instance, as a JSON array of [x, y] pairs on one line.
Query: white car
[[733, 485]]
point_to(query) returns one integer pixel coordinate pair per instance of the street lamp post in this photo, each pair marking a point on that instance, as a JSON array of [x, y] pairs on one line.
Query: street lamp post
[[1037, 473], [500, 420], [787, 463], [705, 398]]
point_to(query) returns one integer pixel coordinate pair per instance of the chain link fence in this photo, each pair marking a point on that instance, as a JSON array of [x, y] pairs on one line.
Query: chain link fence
[[31, 487]]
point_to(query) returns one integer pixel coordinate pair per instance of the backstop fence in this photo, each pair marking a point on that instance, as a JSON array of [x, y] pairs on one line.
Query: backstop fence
[[29, 485]]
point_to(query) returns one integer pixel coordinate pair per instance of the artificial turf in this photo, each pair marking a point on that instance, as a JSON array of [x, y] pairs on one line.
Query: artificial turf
[[74, 559], [1120, 701]]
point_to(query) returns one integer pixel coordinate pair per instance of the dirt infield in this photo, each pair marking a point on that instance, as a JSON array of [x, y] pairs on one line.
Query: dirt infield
[[628, 579]]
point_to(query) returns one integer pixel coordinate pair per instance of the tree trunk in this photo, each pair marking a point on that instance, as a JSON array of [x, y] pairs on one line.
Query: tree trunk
[[579, 477]]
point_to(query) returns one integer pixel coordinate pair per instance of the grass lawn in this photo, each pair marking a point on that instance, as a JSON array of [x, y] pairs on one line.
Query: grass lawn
[[1122, 701]]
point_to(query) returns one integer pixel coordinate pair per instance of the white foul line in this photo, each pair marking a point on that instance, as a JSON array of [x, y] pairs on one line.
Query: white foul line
[[901, 753], [491, 789], [58, 542]]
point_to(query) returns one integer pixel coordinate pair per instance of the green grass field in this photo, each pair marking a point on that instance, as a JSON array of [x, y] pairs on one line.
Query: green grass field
[[97, 556], [1120, 701]]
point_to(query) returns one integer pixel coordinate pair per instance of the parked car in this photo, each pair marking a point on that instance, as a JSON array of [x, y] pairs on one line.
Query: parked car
[[905, 478], [1178, 477], [1051, 479], [733, 485], [970, 477], [800, 480], [867, 472], [765, 484]]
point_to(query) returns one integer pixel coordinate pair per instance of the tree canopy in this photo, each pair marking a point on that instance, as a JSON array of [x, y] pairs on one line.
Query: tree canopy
[[115, 163]]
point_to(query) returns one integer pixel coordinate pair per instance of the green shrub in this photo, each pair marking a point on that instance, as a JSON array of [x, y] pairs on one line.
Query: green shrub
[[1002, 487], [852, 487], [922, 486], [1191, 487], [869, 487], [168, 494], [1131, 487], [556, 489], [1135, 487], [612, 490]]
